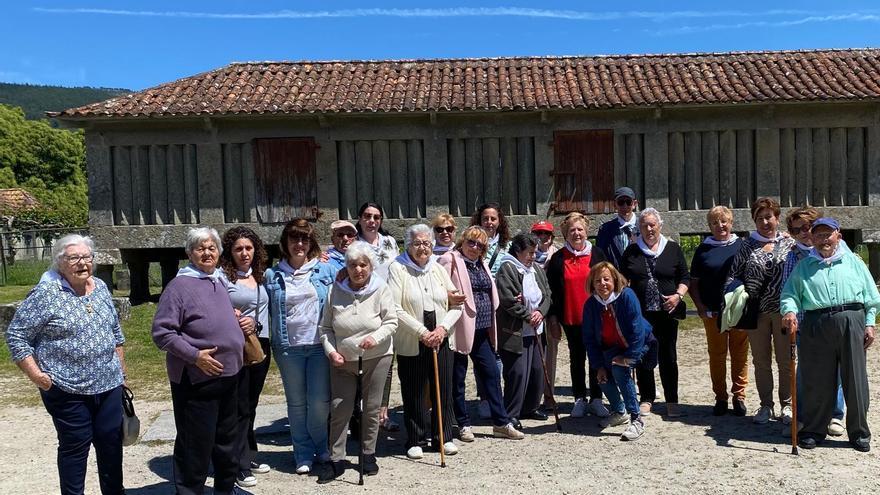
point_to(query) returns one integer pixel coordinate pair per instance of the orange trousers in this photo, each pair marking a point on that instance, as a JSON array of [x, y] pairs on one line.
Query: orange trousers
[[736, 343]]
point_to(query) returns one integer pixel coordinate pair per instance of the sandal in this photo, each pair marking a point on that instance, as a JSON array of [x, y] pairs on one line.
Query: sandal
[[389, 424]]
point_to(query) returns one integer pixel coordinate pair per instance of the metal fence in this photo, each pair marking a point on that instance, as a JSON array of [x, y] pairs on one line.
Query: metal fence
[[29, 248]]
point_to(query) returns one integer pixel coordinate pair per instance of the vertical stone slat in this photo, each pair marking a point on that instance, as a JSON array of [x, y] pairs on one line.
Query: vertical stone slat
[[803, 166], [457, 178], [855, 167], [348, 200], [509, 191], [745, 167], [100, 167], [474, 173], [693, 177], [363, 158], [839, 168], [619, 160], [140, 185], [656, 171], [122, 205], [676, 171], [767, 163], [159, 184], [382, 176], [787, 169], [415, 161], [525, 155], [635, 164], [248, 183], [492, 169], [709, 158], [821, 161]]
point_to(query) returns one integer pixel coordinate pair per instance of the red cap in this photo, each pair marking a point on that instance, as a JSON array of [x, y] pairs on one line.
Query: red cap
[[542, 226]]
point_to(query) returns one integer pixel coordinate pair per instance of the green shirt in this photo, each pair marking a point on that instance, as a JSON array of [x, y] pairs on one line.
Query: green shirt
[[815, 285]]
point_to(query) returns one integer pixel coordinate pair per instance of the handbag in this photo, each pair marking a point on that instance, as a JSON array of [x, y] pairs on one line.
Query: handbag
[[131, 425], [253, 349]]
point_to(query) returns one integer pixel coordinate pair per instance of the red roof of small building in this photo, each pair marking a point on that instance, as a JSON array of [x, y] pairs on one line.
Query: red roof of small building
[[506, 84], [17, 199]]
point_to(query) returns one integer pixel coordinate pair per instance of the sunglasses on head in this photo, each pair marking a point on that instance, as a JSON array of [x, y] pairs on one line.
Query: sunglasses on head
[[448, 229], [476, 244], [624, 201]]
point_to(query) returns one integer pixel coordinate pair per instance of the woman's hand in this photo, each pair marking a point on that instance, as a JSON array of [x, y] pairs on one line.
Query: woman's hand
[[207, 363], [455, 298], [341, 275], [248, 325], [367, 343], [336, 359], [671, 302], [324, 257], [536, 318], [601, 376], [43, 381]]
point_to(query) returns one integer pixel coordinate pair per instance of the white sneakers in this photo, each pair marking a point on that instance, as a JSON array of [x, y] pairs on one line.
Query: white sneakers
[[614, 419], [507, 431], [786, 415], [466, 434], [634, 431], [415, 452], [764, 414], [304, 468], [258, 468], [598, 409], [483, 410], [836, 428], [644, 409], [450, 448], [579, 409]]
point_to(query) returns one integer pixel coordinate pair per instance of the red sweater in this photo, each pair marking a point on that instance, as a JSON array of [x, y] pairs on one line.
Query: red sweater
[[575, 270]]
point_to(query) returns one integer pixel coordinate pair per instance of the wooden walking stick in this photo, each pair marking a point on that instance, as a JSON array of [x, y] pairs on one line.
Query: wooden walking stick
[[793, 368], [439, 407], [360, 394], [548, 384]]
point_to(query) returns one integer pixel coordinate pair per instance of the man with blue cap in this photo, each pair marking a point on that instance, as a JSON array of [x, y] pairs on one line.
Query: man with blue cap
[[836, 292], [618, 233]]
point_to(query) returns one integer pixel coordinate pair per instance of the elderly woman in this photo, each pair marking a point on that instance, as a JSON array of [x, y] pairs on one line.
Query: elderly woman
[[66, 339], [616, 337], [197, 327], [243, 261], [360, 318], [567, 272], [298, 288], [420, 287], [444, 233], [709, 269], [524, 299], [758, 265], [658, 273], [475, 334]]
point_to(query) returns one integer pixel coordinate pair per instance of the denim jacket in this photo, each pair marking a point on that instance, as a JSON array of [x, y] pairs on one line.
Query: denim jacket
[[322, 278]]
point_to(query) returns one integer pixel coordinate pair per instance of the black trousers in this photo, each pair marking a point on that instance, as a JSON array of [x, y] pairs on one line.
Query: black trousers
[[80, 422], [416, 374], [206, 418], [666, 332], [578, 364], [523, 378], [250, 386]]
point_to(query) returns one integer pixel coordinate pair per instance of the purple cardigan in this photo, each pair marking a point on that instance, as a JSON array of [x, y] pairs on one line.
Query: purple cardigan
[[195, 314]]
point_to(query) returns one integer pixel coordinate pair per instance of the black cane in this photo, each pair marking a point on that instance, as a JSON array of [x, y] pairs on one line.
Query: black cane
[[360, 394]]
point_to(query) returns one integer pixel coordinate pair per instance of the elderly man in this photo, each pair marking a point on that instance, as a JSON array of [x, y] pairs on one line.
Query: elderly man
[[617, 234], [343, 234], [839, 299]]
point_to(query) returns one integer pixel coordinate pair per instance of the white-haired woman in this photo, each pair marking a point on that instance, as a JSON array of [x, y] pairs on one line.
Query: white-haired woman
[[196, 325], [66, 338], [425, 319], [359, 320], [658, 273]]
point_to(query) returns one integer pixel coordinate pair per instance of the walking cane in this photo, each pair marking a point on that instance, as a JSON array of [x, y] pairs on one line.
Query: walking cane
[[793, 368], [439, 407], [360, 394], [548, 385]]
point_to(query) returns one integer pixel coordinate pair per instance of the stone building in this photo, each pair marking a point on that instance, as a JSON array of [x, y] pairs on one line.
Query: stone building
[[257, 143]]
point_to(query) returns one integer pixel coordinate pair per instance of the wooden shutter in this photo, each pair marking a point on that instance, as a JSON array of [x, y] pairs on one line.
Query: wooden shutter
[[286, 179], [583, 176]]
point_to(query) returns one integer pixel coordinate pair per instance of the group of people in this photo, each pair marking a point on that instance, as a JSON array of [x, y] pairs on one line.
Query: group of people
[[336, 321]]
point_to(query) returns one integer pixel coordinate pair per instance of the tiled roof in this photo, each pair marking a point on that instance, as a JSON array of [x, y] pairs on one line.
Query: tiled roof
[[505, 84], [17, 199]]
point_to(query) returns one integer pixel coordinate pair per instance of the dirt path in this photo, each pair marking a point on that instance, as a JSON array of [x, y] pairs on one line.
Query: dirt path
[[696, 453]]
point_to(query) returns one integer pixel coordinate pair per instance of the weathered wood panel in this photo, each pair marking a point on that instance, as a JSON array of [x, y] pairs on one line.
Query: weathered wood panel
[[727, 168], [821, 160], [122, 202], [803, 166], [159, 214], [457, 177], [286, 179], [140, 185], [583, 172], [100, 167], [474, 173], [619, 160], [525, 156], [249, 183], [676, 171], [838, 169], [855, 167], [656, 171], [400, 184], [492, 169], [693, 178], [348, 201], [382, 176], [709, 156], [745, 167], [190, 154], [209, 181], [787, 169], [363, 158], [416, 167], [233, 204], [635, 163], [509, 191], [767, 163]]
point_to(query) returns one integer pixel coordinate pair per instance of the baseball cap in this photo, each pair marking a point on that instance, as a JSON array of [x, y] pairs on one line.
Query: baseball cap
[[342, 224], [542, 226], [826, 221], [626, 192]]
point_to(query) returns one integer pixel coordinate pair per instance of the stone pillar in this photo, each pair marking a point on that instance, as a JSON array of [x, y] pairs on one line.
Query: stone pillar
[[139, 269], [169, 269], [105, 273], [874, 259]]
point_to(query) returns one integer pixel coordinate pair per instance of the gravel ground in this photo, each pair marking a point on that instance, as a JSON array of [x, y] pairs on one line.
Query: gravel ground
[[695, 453]]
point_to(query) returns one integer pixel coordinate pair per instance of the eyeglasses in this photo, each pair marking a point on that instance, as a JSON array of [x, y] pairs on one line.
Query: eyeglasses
[[367, 216], [476, 244], [300, 239], [73, 260], [421, 244], [347, 235], [448, 229], [624, 202], [803, 229]]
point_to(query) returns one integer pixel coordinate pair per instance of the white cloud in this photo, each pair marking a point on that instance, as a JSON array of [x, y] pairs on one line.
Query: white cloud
[[813, 19]]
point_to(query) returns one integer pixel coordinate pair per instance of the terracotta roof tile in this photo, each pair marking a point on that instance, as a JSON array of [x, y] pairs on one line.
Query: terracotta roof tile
[[16, 199], [504, 84]]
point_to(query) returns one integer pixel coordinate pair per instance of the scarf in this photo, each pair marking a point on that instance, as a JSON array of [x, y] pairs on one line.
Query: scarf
[[716, 243], [660, 246], [522, 269], [241, 274], [285, 267], [191, 271], [626, 230], [494, 240], [405, 260], [838, 254], [588, 248], [374, 284], [335, 254], [758, 237], [441, 250], [540, 256], [531, 291], [605, 302]]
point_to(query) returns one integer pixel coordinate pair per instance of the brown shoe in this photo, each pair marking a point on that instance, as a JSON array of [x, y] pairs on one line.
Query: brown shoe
[[507, 431]]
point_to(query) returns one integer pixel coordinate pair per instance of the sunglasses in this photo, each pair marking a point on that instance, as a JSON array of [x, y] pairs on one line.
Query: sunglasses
[[624, 202], [476, 244], [448, 229], [804, 229]]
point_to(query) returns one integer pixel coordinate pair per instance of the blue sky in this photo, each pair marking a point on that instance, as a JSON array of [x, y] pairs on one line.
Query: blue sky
[[135, 45]]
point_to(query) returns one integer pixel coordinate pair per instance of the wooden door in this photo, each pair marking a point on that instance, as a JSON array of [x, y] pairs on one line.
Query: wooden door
[[287, 186], [583, 176]]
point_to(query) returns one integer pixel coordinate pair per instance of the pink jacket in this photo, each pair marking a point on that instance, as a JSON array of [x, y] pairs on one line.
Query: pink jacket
[[463, 330]]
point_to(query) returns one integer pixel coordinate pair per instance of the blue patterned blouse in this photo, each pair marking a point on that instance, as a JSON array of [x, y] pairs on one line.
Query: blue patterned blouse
[[73, 338]]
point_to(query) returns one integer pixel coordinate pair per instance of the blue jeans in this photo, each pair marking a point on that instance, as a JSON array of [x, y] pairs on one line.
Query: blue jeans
[[620, 389], [305, 373]]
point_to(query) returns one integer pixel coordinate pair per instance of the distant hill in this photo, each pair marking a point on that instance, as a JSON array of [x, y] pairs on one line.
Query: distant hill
[[37, 100]]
